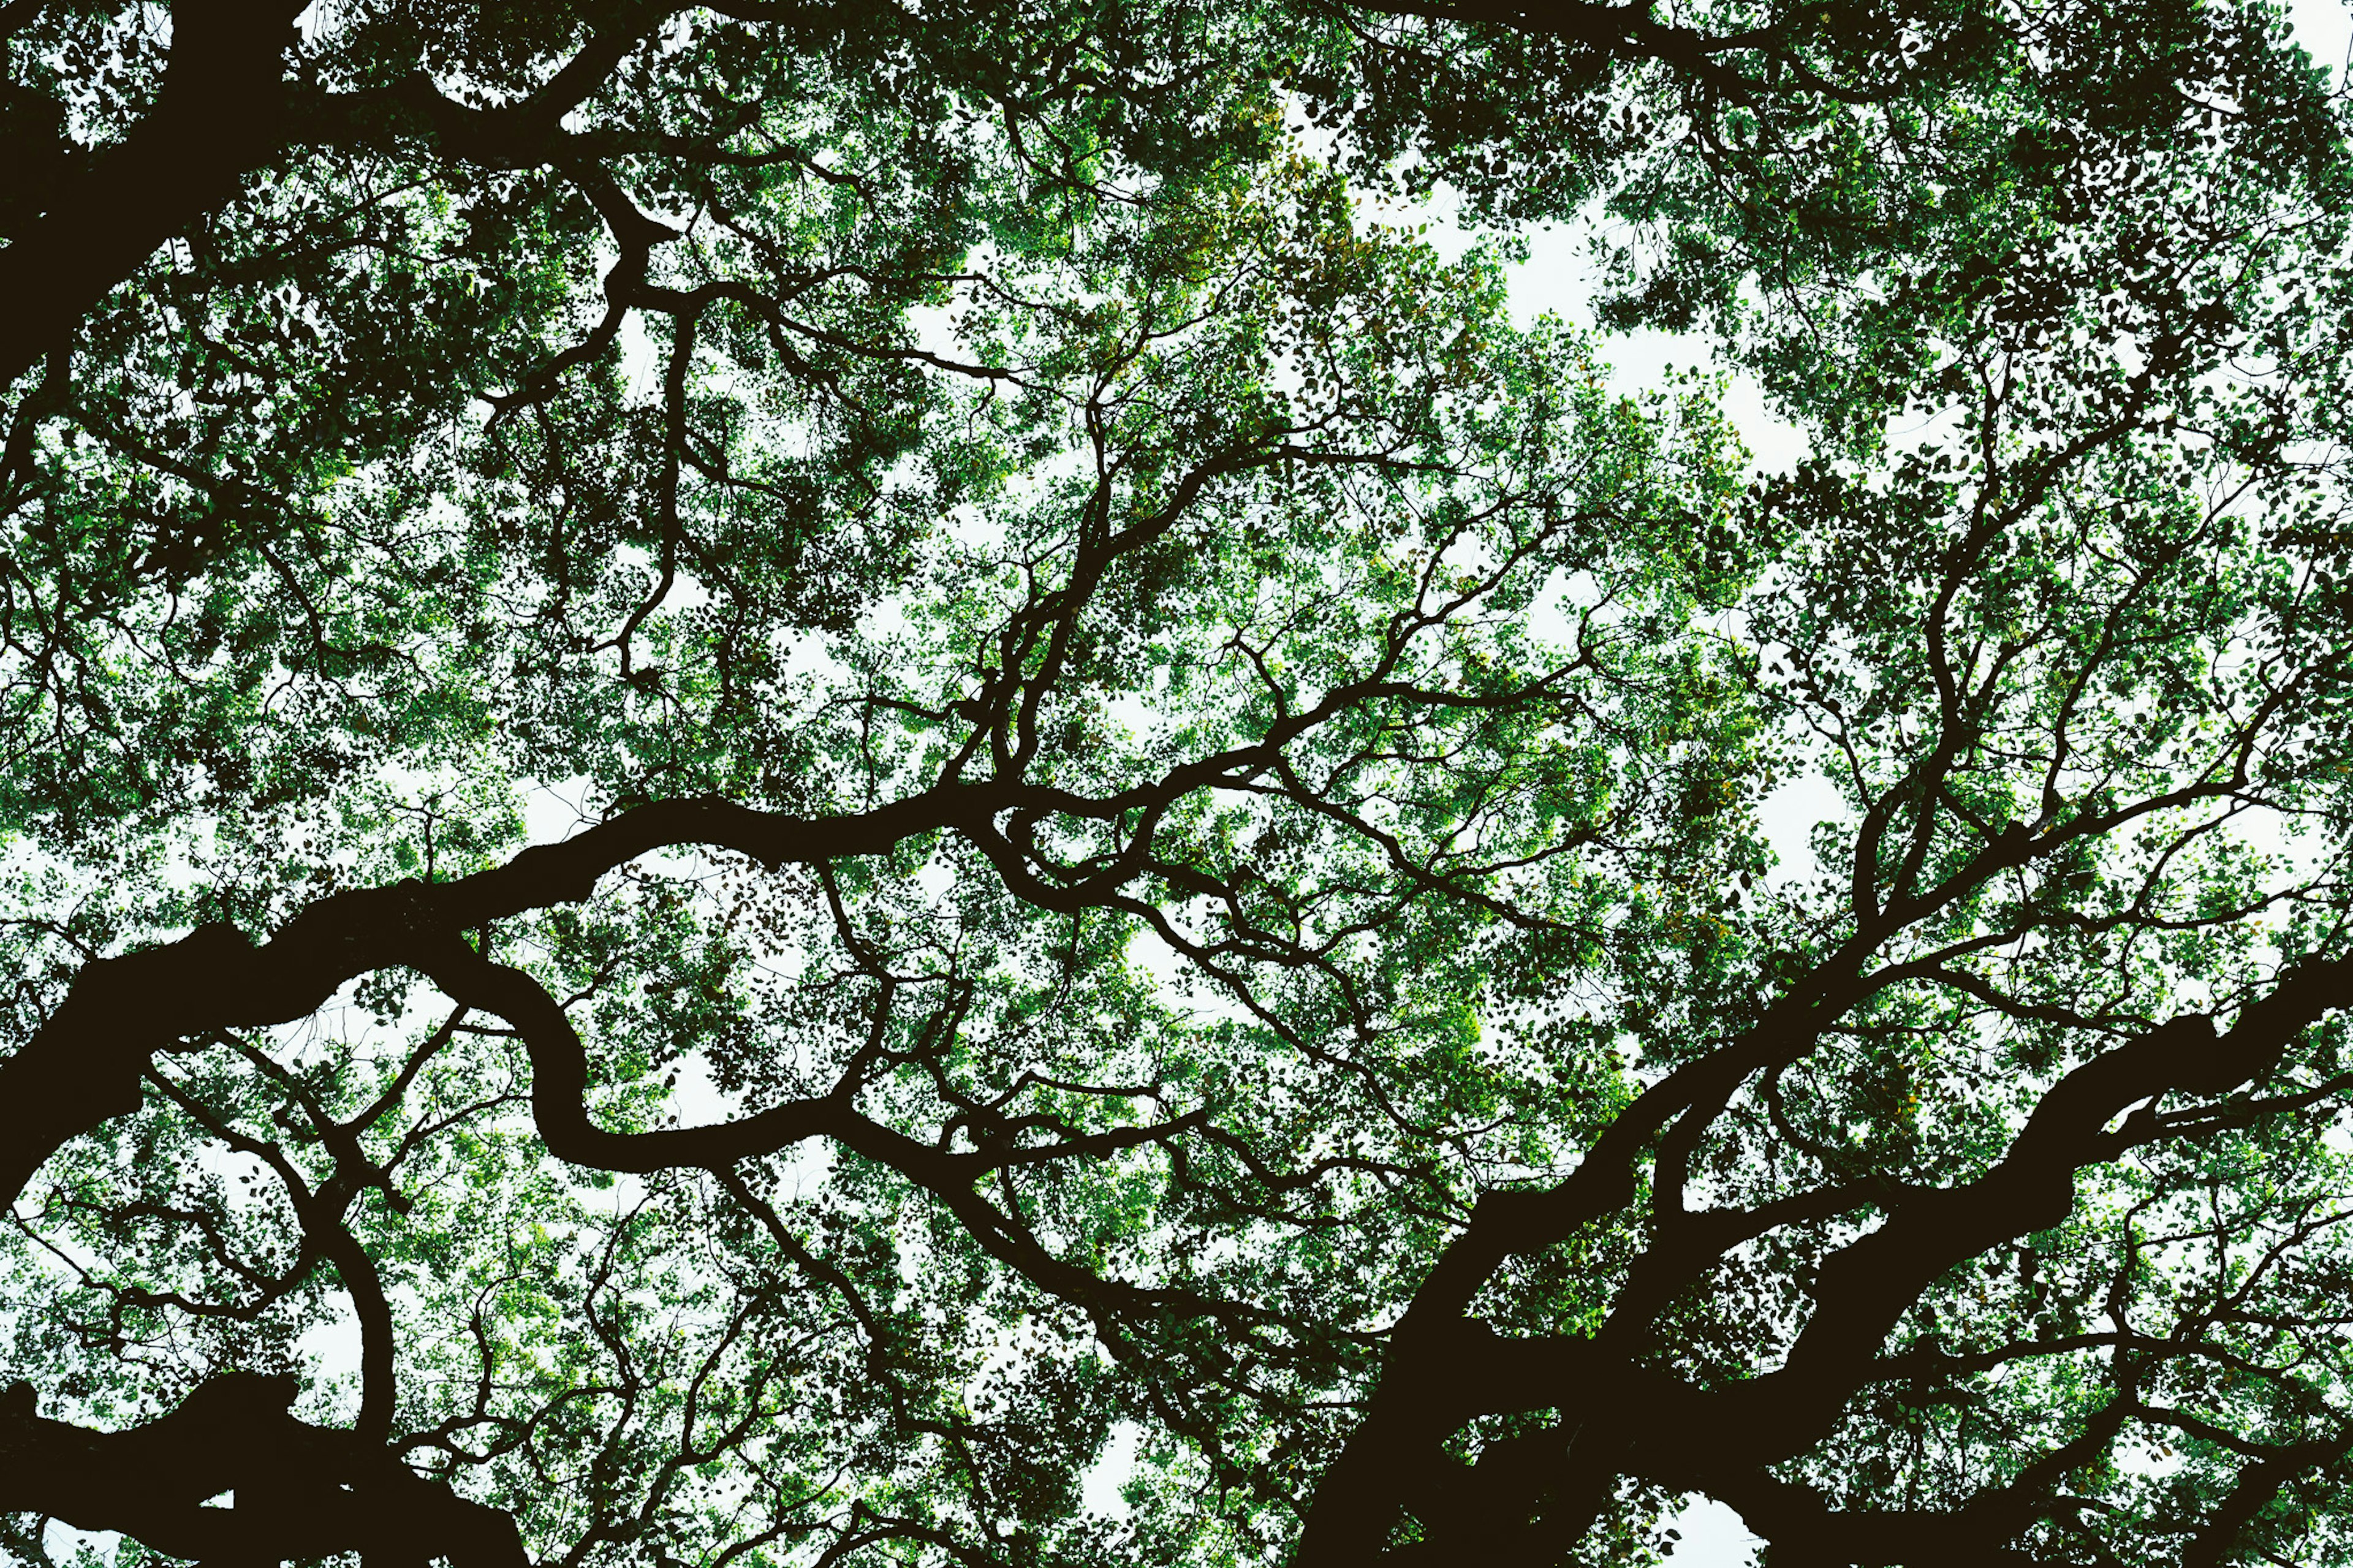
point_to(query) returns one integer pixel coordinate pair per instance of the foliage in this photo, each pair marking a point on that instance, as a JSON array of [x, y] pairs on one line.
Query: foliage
[[773, 775]]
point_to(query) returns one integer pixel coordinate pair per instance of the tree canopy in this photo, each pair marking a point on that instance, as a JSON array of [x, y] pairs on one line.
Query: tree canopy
[[768, 769]]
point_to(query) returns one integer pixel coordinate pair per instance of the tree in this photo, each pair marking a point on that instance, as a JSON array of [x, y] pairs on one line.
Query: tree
[[1172, 804]]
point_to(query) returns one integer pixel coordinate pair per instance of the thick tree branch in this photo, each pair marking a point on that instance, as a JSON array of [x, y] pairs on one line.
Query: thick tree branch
[[300, 1490], [220, 116]]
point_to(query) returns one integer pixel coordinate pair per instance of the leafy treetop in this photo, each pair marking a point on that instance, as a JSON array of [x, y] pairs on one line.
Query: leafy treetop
[[1172, 801]]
